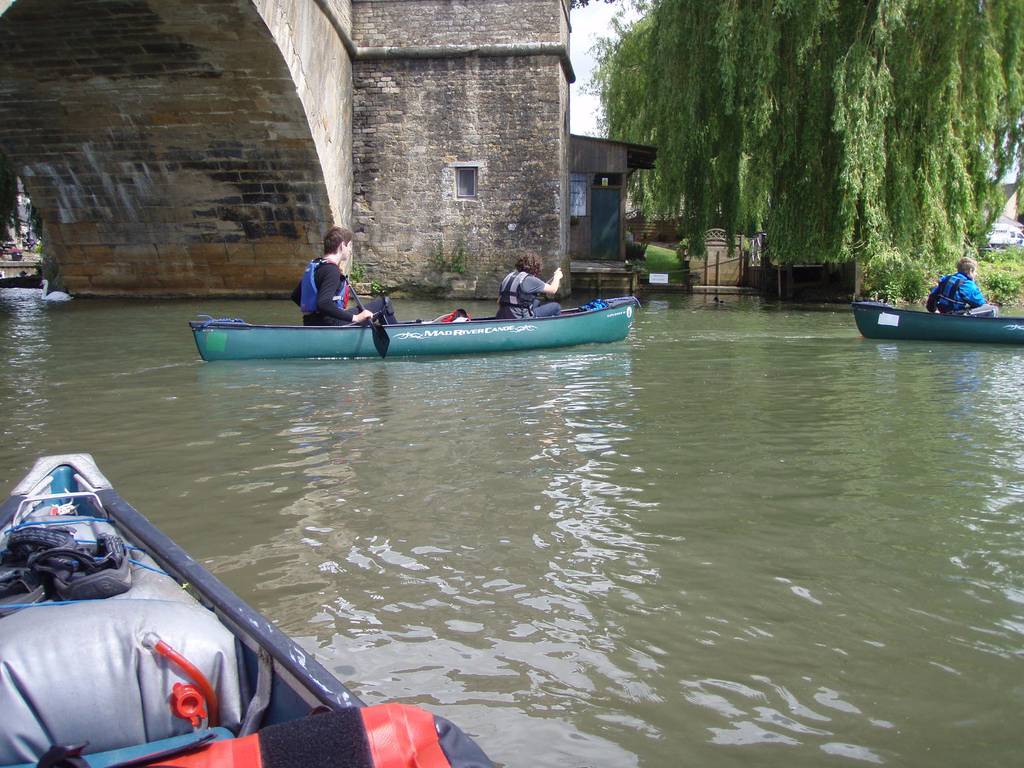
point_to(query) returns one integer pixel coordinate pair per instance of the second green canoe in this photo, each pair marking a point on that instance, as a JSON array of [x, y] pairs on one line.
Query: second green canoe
[[226, 339], [882, 321]]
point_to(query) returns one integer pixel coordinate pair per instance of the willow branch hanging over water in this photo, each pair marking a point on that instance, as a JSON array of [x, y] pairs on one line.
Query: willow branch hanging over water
[[843, 129]]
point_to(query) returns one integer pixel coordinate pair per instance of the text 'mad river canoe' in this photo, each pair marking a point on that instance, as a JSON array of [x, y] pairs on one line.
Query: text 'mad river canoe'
[[117, 649], [876, 320], [604, 320]]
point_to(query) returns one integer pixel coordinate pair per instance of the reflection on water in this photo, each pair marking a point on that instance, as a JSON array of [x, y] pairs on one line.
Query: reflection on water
[[744, 535]]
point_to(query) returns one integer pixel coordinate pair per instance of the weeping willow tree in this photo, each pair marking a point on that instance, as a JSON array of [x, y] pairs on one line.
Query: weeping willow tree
[[875, 129]]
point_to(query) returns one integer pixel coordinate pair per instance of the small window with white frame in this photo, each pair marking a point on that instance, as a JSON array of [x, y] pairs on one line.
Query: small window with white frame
[[465, 182]]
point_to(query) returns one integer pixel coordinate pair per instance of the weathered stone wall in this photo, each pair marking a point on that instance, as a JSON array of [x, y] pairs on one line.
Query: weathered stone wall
[[166, 144], [322, 72], [404, 23], [417, 118], [202, 147]]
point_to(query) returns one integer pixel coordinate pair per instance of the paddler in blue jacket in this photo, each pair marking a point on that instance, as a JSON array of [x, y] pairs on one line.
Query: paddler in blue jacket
[[324, 292], [958, 293]]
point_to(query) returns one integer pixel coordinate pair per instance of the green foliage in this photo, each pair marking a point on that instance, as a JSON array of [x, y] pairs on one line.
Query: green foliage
[[635, 251], [456, 260], [1001, 275], [357, 274], [459, 256], [893, 277], [1003, 287], [845, 130]]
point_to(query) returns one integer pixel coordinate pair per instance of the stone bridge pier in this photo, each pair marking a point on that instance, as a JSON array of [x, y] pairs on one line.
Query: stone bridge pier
[[179, 147]]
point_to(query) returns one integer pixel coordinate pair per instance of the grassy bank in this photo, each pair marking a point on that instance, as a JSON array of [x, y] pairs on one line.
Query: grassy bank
[[896, 278], [659, 259]]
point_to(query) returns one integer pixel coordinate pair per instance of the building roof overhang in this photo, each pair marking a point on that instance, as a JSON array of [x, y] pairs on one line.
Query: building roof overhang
[[638, 156]]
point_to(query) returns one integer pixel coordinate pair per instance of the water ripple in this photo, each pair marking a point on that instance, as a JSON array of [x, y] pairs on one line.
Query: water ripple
[[741, 536]]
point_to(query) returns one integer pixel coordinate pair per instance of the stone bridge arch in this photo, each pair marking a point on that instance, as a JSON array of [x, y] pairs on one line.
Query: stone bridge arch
[[179, 147]]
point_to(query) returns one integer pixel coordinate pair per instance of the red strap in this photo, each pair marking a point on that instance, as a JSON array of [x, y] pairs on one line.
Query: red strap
[[401, 736], [344, 297], [229, 753]]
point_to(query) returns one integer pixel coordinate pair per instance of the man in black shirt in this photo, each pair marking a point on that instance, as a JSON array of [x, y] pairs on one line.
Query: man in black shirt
[[323, 292]]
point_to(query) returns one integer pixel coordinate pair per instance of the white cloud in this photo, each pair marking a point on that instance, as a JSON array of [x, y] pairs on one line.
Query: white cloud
[[589, 24]]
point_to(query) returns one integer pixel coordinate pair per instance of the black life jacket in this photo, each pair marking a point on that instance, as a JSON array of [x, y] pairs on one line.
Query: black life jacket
[[307, 301], [948, 294], [511, 293]]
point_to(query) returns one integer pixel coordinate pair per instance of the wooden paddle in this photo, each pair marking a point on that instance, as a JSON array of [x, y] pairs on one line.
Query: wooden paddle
[[381, 340]]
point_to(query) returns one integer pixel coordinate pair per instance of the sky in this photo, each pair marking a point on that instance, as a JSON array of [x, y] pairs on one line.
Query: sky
[[588, 25]]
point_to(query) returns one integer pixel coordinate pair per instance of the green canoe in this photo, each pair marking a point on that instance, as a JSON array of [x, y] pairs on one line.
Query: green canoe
[[232, 339], [882, 321]]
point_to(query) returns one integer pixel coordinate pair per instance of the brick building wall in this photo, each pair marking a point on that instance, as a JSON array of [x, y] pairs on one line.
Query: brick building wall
[[419, 118]]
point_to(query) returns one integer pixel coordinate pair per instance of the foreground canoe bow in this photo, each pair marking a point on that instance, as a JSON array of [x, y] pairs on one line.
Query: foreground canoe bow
[[113, 637], [876, 320], [224, 339]]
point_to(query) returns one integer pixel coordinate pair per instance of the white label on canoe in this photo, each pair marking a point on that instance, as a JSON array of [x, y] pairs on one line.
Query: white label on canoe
[[629, 311], [660, 278], [884, 318]]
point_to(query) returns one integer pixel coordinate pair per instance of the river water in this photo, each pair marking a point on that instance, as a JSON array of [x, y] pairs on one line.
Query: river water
[[744, 536]]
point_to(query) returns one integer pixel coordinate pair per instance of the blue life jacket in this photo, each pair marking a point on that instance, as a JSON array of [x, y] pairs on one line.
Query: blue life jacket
[[307, 301], [948, 294]]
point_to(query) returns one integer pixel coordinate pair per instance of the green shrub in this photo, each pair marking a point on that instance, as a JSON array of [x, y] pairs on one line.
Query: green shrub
[[459, 257], [437, 259], [456, 261], [1002, 286], [635, 251], [892, 277], [1001, 275]]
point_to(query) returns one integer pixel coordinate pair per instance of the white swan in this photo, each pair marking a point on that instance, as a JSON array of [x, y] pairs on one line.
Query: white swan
[[56, 295]]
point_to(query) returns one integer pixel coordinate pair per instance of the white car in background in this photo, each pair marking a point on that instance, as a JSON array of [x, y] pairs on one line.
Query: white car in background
[[1006, 236]]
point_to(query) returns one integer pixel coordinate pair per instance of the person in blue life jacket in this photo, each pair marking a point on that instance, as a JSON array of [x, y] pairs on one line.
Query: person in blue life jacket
[[324, 292], [959, 294], [519, 291]]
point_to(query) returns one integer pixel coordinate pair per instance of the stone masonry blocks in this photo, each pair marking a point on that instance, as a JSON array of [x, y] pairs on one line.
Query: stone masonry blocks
[[169, 136]]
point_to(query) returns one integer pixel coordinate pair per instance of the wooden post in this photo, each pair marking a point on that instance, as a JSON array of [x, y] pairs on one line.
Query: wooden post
[[743, 264]]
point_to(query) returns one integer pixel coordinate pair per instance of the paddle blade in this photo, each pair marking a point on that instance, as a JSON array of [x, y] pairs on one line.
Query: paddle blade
[[381, 340]]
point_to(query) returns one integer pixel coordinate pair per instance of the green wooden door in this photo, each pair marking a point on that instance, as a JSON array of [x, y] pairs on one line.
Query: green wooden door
[[605, 232]]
